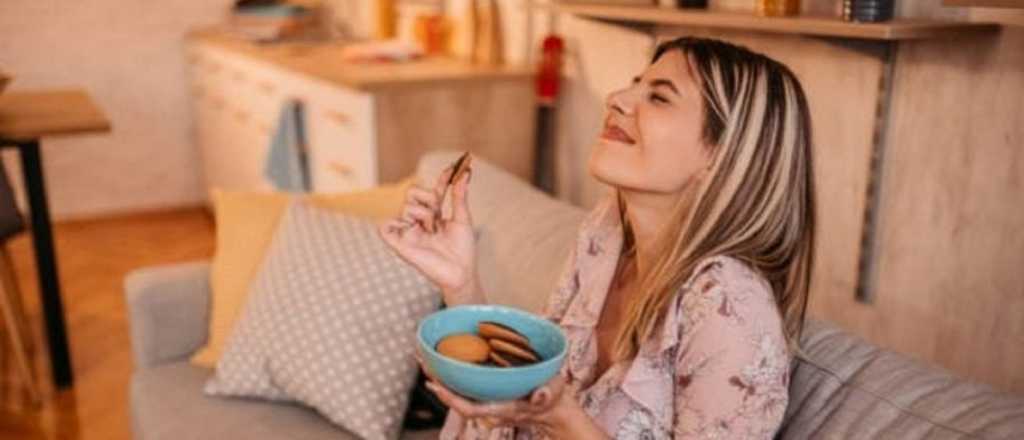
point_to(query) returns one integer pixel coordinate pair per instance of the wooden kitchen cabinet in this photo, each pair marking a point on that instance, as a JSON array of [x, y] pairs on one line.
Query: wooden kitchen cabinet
[[366, 124]]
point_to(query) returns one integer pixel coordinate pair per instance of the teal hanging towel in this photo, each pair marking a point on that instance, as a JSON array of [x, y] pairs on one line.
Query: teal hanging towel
[[286, 166]]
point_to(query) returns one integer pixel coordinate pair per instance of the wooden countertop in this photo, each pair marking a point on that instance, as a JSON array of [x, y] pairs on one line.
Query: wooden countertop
[[323, 61], [36, 114]]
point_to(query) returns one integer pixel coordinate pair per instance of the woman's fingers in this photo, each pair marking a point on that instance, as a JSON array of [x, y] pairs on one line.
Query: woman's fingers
[[442, 181], [420, 214], [503, 413], [402, 236], [422, 196], [541, 397], [391, 231], [424, 203], [548, 394], [460, 199]]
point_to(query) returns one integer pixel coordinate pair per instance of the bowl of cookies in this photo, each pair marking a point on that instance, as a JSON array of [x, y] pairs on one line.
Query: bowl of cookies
[[491, 352]]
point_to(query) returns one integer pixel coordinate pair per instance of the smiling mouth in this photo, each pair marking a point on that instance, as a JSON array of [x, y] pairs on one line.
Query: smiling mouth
[[611, 132]]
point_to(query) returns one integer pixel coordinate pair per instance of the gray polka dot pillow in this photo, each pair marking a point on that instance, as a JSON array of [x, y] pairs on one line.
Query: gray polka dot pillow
[[330, 322]]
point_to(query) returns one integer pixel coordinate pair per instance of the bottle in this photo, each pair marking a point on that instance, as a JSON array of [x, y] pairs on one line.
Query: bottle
[[462, 42], [777, 8], [385, 19], [489, 47]]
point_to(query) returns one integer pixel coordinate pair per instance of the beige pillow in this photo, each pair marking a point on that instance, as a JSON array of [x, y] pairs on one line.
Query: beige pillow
[[245, 223]]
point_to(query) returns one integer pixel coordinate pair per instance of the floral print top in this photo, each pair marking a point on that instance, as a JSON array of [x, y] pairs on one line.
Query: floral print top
[[717, 369]]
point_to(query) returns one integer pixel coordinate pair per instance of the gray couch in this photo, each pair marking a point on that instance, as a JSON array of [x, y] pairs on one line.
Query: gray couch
[[842, 387]]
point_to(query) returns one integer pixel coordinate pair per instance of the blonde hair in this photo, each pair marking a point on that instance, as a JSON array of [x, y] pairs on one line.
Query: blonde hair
[[756, 203]]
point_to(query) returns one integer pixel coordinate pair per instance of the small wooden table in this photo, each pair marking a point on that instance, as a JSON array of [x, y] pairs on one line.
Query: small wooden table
[[25, 118]]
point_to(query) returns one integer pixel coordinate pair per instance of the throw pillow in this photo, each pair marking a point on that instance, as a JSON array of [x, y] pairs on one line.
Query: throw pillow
[[245, 222], [330, 322]]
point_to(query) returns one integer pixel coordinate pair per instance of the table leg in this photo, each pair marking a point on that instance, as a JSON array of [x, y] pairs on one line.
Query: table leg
[[46, 264]]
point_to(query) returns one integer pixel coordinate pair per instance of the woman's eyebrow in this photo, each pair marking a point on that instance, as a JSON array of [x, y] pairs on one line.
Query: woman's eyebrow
[[665, 82]]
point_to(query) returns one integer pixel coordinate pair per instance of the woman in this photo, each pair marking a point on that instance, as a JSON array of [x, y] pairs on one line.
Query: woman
[[685, 295]]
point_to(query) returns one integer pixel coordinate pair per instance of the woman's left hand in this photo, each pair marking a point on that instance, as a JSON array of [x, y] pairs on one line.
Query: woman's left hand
[[543, 409], [547, 408]]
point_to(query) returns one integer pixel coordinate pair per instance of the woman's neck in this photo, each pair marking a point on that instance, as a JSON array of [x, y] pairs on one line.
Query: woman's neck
[[647, 213]]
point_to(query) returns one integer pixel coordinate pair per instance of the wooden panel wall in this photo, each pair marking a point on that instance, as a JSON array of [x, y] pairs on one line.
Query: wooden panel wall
[[494, 119], [951, 284]]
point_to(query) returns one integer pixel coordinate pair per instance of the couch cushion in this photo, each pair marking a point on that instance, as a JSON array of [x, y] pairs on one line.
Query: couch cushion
[[168, 403], [843, 387], [524, 235]]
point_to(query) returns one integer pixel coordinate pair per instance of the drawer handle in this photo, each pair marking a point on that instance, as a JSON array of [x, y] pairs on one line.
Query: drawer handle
[[339, 117], [267, 88], [341, 168]]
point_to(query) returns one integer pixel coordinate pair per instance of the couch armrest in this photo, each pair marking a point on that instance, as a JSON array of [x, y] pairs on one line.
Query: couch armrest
[[168, 311]]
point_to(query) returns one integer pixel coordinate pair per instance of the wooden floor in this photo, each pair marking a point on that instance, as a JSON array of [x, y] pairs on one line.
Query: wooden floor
[[93, 257]]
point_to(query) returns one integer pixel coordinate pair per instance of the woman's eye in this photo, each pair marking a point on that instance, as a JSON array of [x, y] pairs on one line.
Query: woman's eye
[[654, 97]]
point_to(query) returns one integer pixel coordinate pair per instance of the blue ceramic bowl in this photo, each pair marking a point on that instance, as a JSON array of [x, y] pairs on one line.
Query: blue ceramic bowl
[[485, 383]]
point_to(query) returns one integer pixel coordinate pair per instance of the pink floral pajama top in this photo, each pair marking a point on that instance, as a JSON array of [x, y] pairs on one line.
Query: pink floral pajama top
[[718, 369]]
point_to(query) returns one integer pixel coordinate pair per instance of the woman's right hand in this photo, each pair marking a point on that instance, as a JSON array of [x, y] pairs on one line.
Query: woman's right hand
[[442, 249]]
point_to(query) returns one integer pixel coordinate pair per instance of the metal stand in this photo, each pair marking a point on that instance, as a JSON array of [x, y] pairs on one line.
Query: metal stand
[[867, 270], [46, 262]]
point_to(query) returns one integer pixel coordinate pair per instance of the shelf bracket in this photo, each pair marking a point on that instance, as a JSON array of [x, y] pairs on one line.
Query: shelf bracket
[[867, 263]]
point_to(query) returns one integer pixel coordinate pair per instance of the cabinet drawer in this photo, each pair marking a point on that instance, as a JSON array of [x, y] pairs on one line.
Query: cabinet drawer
[[341, 145], [261, 88], [232, 146]]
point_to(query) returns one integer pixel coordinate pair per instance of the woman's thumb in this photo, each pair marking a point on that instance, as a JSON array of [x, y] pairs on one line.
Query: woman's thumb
[[541, 396]]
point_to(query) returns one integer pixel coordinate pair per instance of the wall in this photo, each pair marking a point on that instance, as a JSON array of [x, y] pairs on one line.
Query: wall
[[949, 286], [128, 55]]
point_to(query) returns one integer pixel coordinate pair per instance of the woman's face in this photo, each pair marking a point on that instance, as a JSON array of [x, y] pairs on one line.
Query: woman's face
[[651, 140]]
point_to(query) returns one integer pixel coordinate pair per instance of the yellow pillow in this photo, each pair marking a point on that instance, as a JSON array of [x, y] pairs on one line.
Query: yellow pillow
[[245, 223]]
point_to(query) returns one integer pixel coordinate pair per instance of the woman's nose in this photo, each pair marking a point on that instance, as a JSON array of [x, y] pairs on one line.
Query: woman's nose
[[620, 101]]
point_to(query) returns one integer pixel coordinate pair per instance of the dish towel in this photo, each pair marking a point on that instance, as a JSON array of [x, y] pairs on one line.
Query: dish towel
[[286, 166]]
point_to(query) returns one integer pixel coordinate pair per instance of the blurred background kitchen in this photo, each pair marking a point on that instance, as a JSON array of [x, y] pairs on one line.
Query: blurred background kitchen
[[918, 125]]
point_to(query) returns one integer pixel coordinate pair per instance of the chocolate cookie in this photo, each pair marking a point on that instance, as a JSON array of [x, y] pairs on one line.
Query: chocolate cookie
[[509, 350], [494, 330], [508, 360]]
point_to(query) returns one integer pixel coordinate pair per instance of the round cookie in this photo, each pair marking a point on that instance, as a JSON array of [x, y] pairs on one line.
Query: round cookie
[[494, 330], [508, 360], [465, 347], [506, 349]]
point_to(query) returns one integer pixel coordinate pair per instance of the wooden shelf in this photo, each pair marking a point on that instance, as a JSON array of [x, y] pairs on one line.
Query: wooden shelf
[[1019, 4], [817, 26]]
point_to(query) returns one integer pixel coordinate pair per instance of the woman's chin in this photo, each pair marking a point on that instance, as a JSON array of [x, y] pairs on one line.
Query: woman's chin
[[610, 168]]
